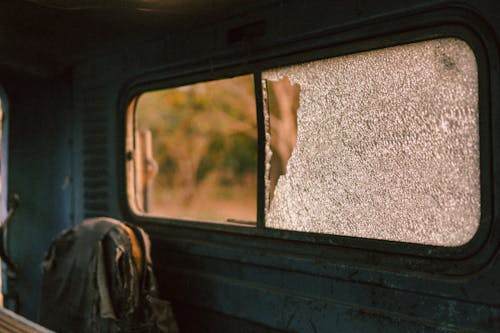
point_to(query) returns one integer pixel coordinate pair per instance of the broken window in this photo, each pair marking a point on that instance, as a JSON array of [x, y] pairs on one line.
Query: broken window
[[193, 152], [387, 144], [380, 144]]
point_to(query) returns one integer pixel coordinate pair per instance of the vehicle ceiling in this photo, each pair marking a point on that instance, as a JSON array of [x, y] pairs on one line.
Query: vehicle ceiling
[[43, 37]]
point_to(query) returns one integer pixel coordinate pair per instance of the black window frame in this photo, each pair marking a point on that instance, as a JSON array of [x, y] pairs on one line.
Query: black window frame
[[400, 29]]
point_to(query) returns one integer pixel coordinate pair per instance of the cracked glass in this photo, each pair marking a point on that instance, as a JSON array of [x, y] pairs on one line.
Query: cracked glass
[[380, 144]]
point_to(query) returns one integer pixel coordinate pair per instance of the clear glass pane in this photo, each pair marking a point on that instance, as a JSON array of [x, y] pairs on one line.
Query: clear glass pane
[[195, 151], [282, 102], [387, 145]]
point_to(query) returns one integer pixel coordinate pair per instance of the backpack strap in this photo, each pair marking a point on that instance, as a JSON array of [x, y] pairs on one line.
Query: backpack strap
[[137, 249]]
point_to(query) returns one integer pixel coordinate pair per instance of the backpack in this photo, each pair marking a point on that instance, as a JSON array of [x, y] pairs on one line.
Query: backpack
[[98, 277]]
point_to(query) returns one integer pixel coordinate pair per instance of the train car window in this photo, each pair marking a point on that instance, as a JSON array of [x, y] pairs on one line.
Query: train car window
[[380, 144], [195, 152]]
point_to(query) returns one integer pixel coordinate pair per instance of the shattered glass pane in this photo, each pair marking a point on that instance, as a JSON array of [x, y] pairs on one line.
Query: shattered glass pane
[[387, 145]]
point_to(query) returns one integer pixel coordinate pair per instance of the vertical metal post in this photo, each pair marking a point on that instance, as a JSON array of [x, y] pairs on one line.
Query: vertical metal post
[[261, 159]]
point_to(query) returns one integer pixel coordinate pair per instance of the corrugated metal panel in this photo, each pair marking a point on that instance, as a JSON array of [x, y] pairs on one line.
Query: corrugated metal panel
[[95, 157]]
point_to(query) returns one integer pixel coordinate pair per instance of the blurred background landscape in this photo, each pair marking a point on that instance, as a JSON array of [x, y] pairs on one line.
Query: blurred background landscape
[[202, 159]]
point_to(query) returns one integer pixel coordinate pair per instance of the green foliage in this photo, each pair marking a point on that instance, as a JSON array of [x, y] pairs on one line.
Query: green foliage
[[200, 131], [242, 155], [232, 156]]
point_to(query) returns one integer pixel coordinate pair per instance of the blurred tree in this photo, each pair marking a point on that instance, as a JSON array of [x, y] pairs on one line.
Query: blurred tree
[[200, 130]]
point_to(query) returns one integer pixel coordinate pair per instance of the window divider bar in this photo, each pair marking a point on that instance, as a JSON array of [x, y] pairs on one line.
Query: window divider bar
[[261, 143]]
